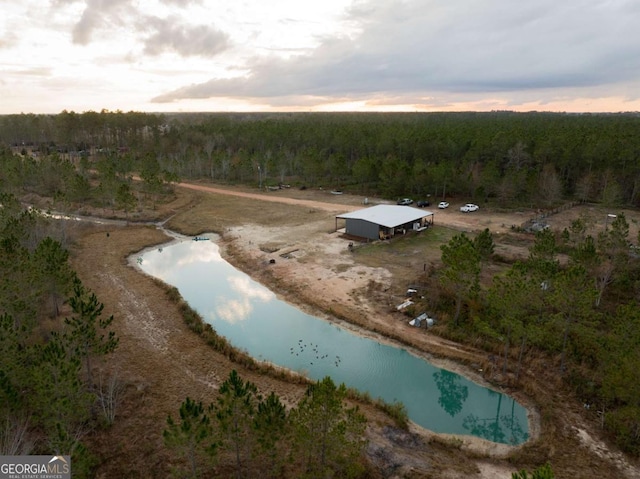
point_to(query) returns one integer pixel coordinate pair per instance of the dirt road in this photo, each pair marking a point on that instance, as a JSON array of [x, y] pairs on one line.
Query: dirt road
[[274, 197]]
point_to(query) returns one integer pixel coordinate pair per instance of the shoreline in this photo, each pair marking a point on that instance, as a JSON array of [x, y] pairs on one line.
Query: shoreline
[[470, 443]]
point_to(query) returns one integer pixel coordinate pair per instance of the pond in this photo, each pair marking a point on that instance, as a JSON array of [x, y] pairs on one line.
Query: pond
[[253, 319]]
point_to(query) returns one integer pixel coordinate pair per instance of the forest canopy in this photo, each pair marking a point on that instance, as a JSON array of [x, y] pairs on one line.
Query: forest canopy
[[535, 159]]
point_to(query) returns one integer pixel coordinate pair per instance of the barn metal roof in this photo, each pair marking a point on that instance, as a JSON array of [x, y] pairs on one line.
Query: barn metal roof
[[389, 216]]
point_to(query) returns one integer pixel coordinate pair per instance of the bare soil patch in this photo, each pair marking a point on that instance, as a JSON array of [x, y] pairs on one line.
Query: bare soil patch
[[162, 362]]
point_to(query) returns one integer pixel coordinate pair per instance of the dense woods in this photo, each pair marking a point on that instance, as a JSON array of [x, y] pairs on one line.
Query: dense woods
[[534, 159], [574, 299], [581, 314], [50, 399]]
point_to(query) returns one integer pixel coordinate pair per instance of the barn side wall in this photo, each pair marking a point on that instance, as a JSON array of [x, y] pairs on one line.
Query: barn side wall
[[361, 228]]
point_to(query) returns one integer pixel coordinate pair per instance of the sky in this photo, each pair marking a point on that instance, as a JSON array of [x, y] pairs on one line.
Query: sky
[[327, 55]]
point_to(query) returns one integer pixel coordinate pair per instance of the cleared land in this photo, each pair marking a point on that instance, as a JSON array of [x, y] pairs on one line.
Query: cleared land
[[161, 362]]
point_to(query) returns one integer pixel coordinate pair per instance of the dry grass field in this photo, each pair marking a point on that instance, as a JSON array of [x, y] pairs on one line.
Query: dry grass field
[[160, 361]]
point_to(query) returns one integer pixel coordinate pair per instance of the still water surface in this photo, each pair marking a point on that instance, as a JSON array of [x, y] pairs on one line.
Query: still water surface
[[252, 318]]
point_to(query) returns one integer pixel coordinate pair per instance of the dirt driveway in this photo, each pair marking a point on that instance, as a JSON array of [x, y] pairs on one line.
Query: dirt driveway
[[277, 197]]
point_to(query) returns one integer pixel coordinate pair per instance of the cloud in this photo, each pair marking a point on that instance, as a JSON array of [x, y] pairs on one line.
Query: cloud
[[367, 54], [248, 292], [56, 4], [8, 40], [233, 310], [100, 14], [181, 3], [249, 289], [423, 48], [156, 35], [169, 35], [36, 71]]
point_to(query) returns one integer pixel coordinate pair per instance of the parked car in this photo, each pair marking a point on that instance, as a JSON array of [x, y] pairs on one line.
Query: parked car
[[422, 203], [469, 207], [405, 201], [443, 204]]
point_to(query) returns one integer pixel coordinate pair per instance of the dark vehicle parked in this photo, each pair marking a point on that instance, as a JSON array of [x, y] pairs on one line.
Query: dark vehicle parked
[[422, 203]]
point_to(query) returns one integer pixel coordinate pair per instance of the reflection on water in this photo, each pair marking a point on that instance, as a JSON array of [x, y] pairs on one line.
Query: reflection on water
[[503, 428], [453, 393], [253, 319]]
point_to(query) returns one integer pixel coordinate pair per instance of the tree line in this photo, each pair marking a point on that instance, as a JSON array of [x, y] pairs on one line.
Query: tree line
[[532, 159], [105, 182], [69, 131]]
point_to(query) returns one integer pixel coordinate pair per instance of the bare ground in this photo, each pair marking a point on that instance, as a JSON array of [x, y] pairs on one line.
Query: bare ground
[[162, 362]]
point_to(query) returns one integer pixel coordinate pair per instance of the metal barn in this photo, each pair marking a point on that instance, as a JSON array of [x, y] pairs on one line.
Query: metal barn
[[385, 221]]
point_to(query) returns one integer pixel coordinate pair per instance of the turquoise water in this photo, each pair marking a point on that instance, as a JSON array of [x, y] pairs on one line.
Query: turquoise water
[[252, 318]]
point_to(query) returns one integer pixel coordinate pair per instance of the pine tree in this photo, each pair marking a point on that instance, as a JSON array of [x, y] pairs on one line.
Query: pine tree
[[193, 435], [327, 434], [270, 424], [235, 412], [88, 328], [51, 260], [461, 273], [543, 472], [484, 244]]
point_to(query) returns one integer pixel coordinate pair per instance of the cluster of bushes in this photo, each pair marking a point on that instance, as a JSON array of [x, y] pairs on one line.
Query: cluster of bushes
[[245, 434]]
